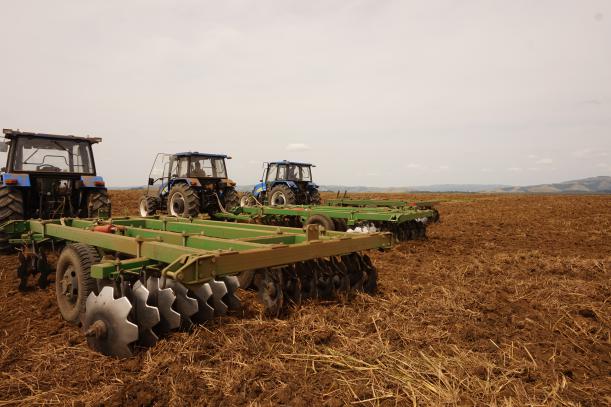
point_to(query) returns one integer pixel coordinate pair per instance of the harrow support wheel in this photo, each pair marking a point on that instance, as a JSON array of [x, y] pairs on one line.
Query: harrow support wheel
[[321, 220], [73, 281], [148, 205], [183, 201], [281, 195]]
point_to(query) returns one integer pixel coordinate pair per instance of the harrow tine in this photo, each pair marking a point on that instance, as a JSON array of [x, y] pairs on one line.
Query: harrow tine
[[146, 316], [163, 299]]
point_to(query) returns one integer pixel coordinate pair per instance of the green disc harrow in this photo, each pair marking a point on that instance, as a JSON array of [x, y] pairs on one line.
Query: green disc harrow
[[129, 281], [404, 223], [386, 203]]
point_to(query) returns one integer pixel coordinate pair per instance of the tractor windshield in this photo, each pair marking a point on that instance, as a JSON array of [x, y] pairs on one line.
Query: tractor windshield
[[207, 167], [35, 154]]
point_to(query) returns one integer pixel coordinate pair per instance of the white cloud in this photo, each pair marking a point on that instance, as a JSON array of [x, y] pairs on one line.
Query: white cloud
[[533, 156], [486, 170], [514, 169], [443, 167], [414, 165], [603, 165], [298, 147], [533, 169], [545, 161]]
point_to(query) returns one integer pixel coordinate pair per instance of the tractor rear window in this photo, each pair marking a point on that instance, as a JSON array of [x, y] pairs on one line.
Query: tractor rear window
[[207, 167], [52, 155]]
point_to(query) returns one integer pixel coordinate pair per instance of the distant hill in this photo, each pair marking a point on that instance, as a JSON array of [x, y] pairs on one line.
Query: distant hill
[[595, 185]]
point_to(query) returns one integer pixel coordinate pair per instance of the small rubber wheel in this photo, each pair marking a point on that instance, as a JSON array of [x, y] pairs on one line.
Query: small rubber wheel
[[321, 220], [73, 281]]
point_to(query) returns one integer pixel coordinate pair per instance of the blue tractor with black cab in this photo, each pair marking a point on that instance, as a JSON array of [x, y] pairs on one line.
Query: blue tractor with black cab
[[284, 183], [49, 176], [189, 184]]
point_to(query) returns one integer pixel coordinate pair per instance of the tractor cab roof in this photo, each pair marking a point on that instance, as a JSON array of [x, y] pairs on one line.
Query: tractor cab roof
[[291, 163], [197, 154], [13, 134]]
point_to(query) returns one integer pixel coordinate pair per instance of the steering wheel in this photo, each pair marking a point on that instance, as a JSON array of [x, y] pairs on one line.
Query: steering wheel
[[46, 167]]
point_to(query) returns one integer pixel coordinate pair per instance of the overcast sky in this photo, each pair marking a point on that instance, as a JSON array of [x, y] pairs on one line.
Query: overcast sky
[[377, 93]]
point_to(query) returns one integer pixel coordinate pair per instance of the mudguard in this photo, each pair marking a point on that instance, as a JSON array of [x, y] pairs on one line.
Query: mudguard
[[258, 189], [93, 182], [16, 180]]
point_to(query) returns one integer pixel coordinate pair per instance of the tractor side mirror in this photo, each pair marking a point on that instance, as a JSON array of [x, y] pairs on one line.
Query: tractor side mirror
[[3, 147], [151, 181]]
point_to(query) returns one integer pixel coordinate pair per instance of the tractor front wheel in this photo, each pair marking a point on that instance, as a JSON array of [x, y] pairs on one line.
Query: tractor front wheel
[[183, 201], [232, 200], [98, 204], [73, 281], [148, 206], [315, 197], [11, 208], [282, 195]]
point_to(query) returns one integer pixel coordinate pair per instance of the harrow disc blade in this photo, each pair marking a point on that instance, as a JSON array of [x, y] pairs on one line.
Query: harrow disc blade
[[184, 304], [232, 283], [219, 290], [203, 294], [163, 300], [106, 325], [146, 315]]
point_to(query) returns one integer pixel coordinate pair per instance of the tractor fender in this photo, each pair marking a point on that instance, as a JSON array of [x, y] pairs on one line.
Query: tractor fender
[[312, 186], [291, 184], [193, 182], [93, 182], [259, 188], [16, 180]]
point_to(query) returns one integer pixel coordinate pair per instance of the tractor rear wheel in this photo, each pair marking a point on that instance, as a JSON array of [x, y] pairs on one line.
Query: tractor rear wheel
[[98, 204], [321, 220], [232, 200], [148, 205], [282, 195], [315, 197], [73, 281], [11, 208], [183, 201]]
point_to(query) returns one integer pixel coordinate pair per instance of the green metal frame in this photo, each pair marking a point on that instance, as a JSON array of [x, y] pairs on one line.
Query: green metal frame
[[195, 251], [352, 215], [376, 203]]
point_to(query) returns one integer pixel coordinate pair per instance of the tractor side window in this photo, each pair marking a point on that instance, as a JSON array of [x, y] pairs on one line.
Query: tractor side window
[[183, 167], [4, 153], [272, 172], [281, 172], [219, 168], [53, 155], [294, 173], [306, 174], [174, 168]]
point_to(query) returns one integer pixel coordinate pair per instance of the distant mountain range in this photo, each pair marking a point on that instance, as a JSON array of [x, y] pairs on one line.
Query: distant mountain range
[[594, 185]]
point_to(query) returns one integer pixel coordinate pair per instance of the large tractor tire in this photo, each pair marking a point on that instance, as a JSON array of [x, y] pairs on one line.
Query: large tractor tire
[[148, 205], [321, 220], [282, 195], [11, 208], [232, 200], [183, 201], [315, 197], [98, 204], [73, 281]]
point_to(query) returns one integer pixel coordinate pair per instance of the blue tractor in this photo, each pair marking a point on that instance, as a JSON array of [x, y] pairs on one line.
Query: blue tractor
[[187, 184], [284, 183]]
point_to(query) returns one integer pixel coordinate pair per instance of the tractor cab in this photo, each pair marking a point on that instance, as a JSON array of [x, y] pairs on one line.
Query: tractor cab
[[285, 183], [49, 176], [203, 178]]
